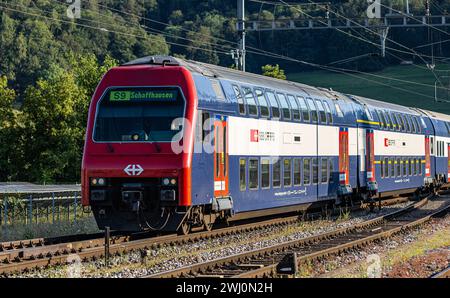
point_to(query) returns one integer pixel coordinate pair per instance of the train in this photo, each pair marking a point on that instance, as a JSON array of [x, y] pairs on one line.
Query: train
[[176, 145]]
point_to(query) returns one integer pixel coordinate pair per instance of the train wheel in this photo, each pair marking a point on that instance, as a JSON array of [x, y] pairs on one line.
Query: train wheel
[[184, 229], [208, 226]]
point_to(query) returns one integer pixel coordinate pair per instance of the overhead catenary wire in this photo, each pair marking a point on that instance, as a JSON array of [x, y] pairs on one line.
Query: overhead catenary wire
[[261, 52]]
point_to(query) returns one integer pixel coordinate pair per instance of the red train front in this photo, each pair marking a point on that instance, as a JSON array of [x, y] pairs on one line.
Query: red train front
[[131, 177]]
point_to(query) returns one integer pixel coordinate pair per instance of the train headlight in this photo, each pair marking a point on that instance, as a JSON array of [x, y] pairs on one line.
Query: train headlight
[[173, 181], [98, 181], [166, 181]]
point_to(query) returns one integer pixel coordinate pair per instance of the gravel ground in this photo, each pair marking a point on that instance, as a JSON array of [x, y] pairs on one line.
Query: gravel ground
[[167, 257], [417, 253]]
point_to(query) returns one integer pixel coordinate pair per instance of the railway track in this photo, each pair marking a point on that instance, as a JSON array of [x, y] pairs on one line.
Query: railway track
[[18, 256], [284, 259], [443, 274]]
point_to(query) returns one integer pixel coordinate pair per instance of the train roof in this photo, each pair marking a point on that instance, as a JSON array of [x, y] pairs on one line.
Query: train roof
[[220, 72]]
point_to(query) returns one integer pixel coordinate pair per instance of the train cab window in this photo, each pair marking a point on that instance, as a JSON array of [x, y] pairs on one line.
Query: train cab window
[[297, 172], [274, 106], [240, 100], [242, 174], [338, 109], [276, 173], [306, 171], [398, 166], [295, 108], [328, 111], [253, 166], [324, 170], [304, 108], [265, 173], [392, 162], [315, 170], [386, 167], [251, 102], [323, 116], [395, 122], [287, 169], [263, 106], [388, 120], [284, 106], [313, 109]]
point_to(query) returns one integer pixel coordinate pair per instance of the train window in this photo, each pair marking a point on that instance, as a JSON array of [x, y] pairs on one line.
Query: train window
[[218, 89], [331, 172], [388, 119], [398, 165], [297, 172], [420, 167], [287, 179], [274, 106], [242, 174], [382, 166], [414, 166], [324, 170], [407, 124], [338, 109], [315, 170], [251, 102], [329, 114], [411, 166], [368, 113], [432, 145], [419, 127], [265, 173], [386, 167], [392, 162], [304, 108], [217, 151], [313, 110], [413, 124], [381, 118], [400, 122], [263, 106], [405, 168], [306, 171], [323, 116], [284, 106], [448, 126], [253, 173], [394, 122], [295, 107], [240, 100], [423, 123], [276, 173]]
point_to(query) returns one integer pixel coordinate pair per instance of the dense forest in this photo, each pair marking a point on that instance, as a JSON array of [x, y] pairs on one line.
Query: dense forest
[[50, 63]]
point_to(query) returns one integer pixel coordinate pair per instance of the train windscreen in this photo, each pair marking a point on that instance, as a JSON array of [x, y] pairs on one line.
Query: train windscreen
[[139, 115]]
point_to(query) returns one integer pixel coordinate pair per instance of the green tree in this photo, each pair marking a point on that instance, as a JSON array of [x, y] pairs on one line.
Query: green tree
[[273, 71]]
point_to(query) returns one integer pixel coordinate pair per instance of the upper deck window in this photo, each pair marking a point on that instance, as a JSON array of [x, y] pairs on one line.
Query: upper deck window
[[423, 123], [263, 106], [338, 109], [323, 117], [304, 108], [313, 110], [295, 107], [447, 124], [240, 100], [273, 105], [144, 114], [388, 120], [419, 128], [251, 102], [368, 113], [285, 106], [395, 122], [401, 124], [413, 124], [382, 120], [218, 89], [328, 111], [407, 126]]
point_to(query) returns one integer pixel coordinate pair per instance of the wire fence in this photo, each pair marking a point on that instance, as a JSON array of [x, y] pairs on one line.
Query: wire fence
[[31, 209]]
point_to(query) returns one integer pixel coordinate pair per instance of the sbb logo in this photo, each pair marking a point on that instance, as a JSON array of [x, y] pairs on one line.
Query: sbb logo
[[254, 135]]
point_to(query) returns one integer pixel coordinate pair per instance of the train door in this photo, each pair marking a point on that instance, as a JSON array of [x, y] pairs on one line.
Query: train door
[[220, 158]]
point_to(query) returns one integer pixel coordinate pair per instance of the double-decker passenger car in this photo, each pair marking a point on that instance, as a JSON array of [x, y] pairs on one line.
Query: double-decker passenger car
[[174, 144]]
